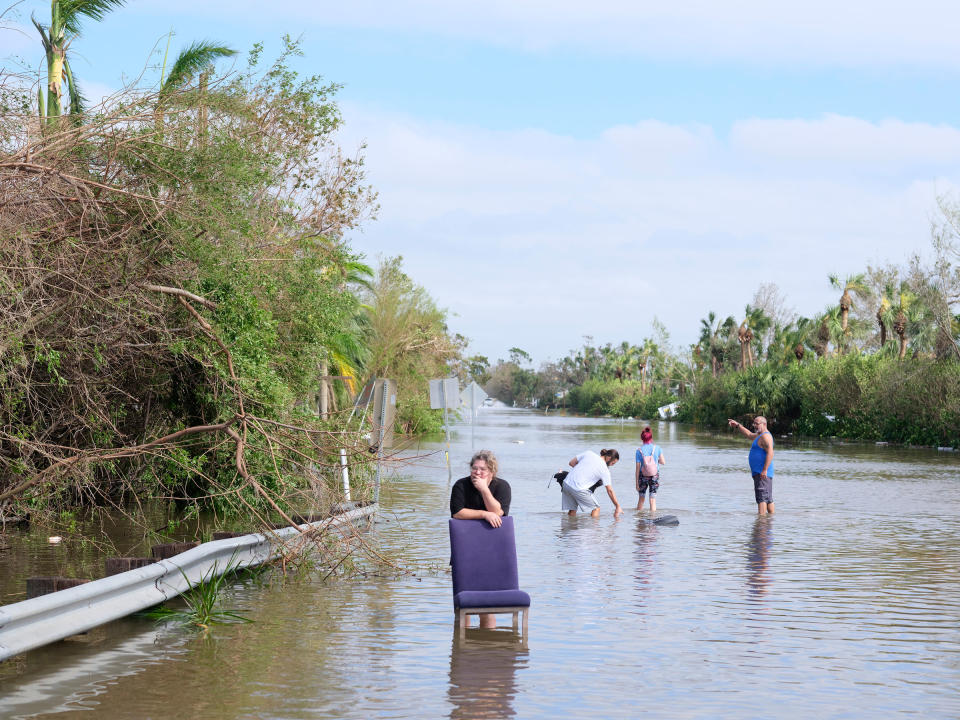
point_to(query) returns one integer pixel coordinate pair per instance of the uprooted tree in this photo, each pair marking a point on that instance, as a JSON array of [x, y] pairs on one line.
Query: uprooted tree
[[169, 273]]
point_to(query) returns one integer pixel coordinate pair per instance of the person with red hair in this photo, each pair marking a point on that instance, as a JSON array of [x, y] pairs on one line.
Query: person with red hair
[[649, 459]]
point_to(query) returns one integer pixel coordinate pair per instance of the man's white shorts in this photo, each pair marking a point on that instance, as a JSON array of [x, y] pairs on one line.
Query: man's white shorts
[[582, 499]]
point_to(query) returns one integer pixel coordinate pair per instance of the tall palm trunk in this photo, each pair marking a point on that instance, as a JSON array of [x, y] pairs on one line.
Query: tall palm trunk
[[823, 339], [883, 327], [55, 57], [900, 328], [202, 112], [742, 339], [845, 302]]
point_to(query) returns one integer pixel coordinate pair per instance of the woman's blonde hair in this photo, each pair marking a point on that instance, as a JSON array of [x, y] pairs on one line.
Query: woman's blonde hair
[[488, 457]]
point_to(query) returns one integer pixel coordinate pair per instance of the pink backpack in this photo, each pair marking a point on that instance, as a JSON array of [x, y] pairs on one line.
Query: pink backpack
[[648, 468]]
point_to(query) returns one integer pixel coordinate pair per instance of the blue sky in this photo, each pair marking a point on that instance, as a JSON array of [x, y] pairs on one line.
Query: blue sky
[[556, 170]]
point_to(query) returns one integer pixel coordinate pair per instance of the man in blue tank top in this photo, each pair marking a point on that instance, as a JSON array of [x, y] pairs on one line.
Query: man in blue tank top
[[761, 462]]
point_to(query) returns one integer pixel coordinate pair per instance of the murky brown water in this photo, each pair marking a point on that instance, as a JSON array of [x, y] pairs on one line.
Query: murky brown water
[[844, 604]]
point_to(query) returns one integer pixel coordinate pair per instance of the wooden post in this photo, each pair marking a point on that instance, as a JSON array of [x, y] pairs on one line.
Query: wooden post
[[324, 397], [37, 586], [168, 550], [226, 534], [116, 565]]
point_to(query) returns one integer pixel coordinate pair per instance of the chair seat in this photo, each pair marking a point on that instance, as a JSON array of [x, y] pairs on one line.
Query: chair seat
[[491, 598]]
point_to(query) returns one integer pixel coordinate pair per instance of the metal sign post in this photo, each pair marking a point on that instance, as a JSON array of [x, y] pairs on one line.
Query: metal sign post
[[384, 407]]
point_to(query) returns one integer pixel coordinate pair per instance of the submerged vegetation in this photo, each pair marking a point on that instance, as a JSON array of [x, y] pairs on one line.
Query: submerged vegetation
[[203, 603]]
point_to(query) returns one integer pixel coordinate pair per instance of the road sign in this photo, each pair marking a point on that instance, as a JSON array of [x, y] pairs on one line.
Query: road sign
[[444, 394], [472, 396]]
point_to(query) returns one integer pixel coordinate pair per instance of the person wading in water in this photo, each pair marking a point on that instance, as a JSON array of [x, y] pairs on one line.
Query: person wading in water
[[590, 471], [761, 462]]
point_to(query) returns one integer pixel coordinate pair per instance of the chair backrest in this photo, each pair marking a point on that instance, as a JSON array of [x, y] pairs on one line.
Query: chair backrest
[[483, 557]]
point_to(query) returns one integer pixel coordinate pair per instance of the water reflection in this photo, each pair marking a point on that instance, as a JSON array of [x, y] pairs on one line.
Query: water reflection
[[645, 552], [758, 557], [483, 669]]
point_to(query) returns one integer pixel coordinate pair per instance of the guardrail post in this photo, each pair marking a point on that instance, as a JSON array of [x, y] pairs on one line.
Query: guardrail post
[[115, 565], [37, 586], [168, 550]]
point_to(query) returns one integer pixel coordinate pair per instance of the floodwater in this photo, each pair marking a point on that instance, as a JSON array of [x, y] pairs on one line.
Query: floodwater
[[845, 604]]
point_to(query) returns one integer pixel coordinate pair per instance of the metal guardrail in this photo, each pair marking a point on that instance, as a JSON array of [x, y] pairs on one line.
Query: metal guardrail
[[39, 621]]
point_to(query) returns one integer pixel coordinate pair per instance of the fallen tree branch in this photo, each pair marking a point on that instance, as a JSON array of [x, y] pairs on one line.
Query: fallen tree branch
[[113, 454], [181, 293]]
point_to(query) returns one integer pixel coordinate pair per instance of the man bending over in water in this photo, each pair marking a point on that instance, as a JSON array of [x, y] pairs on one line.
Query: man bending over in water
[[589, 472]]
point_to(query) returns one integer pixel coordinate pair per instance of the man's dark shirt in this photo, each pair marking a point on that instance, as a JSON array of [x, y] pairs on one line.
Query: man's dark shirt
[[465, 495]]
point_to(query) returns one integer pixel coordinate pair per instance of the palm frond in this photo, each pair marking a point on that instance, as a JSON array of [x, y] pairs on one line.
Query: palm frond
[[71, 11], [44, 34], [358, 273], [77, 100], [193, 60]]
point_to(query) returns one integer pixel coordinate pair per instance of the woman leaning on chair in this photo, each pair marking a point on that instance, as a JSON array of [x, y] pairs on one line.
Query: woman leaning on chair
[[481, 496]]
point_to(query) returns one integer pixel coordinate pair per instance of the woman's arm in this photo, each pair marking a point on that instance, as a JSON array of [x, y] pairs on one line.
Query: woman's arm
[[490, 517]]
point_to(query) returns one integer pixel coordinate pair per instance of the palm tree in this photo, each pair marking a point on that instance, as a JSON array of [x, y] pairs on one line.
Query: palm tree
[[853, 285], [708, 335], [346, 351], [742, 339], [193, 60], [755, 324], [648, 350], [829, 327], [901, 316], [758, 323], [64, 28], [800, 336], [712, 338], [885, 314]]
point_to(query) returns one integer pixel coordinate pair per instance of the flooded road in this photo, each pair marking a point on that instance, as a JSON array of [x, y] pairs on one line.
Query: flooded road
[[846, 603]]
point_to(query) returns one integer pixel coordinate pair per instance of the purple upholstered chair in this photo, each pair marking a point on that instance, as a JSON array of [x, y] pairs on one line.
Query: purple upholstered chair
[[484, 562]]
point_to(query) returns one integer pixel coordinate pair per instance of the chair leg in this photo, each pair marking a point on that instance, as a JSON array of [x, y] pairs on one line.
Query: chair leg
[[515, 614], [526, 616], [462, 623]]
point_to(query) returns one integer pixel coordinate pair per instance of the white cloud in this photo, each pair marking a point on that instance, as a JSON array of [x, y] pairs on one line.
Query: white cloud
[[816, 32], [848, 145], [536, 239]]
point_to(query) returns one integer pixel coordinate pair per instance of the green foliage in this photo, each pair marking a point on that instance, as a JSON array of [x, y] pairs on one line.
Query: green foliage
[[626, 399], [192, 60], [868, 397], [203, 602], [242, 206], [409, 342]]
